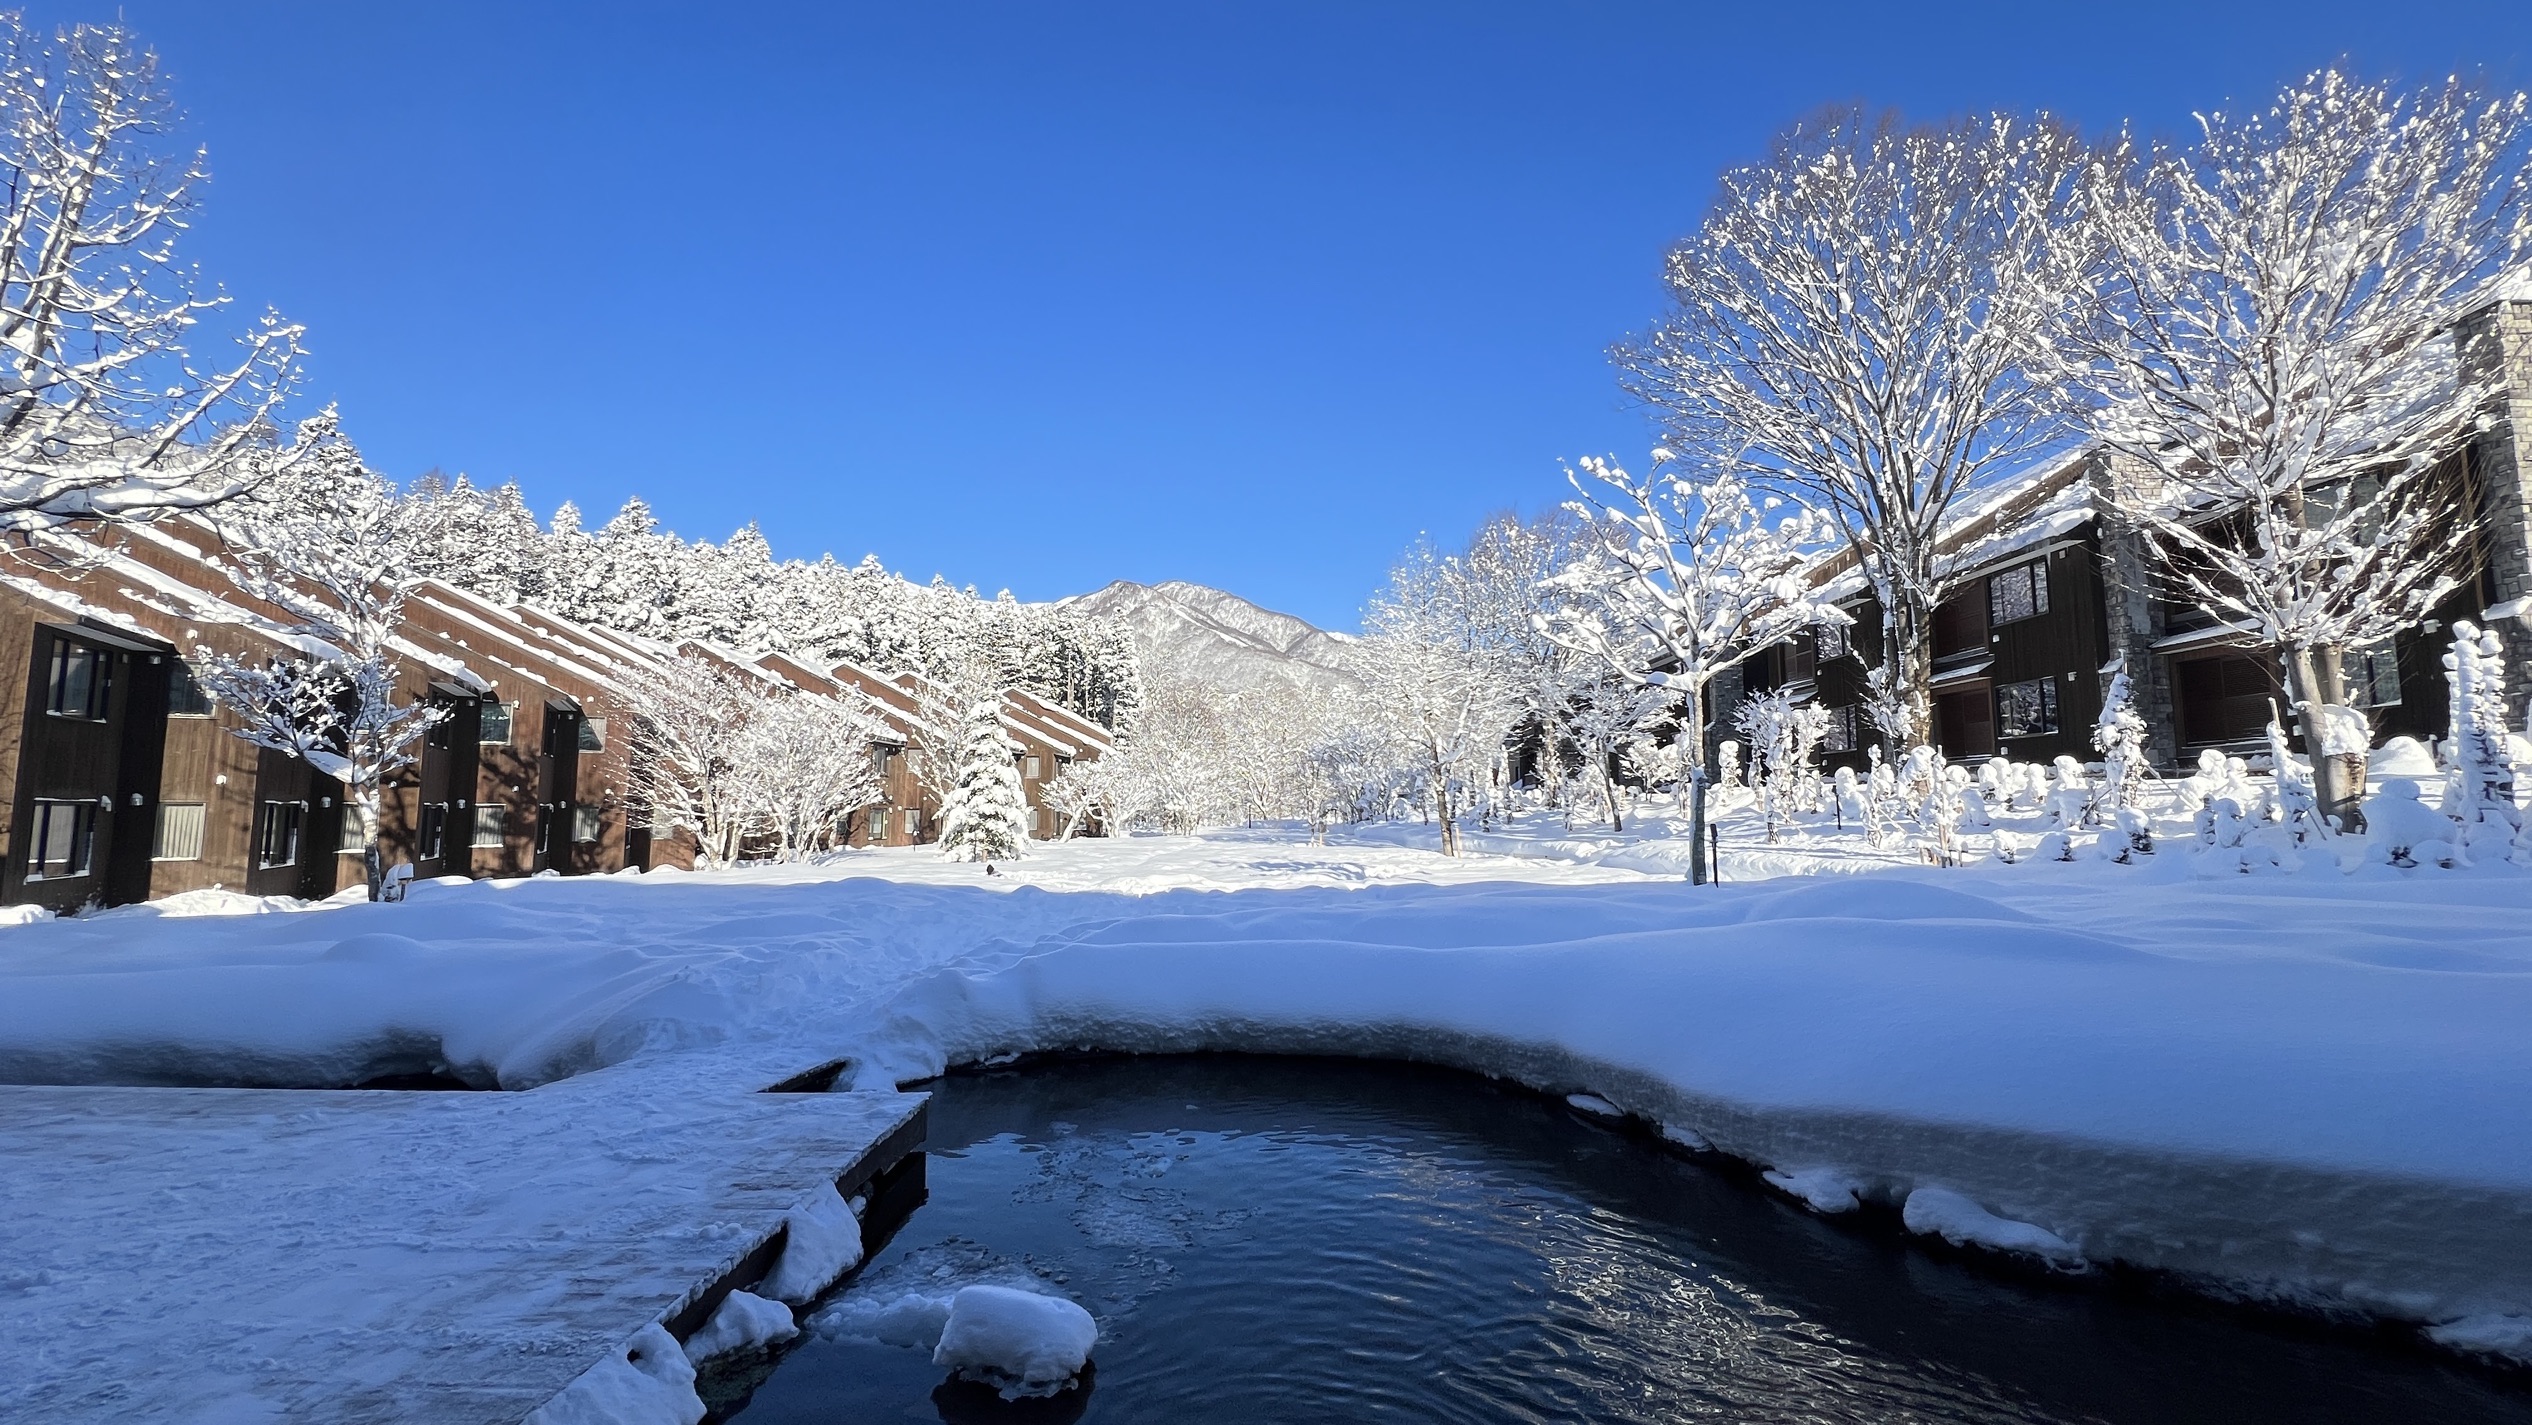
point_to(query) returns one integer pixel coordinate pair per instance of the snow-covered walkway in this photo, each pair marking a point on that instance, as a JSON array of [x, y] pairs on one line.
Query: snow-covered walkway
[[2312, 1086]]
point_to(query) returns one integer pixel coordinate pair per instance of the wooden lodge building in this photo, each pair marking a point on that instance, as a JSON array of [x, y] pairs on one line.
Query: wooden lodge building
[[124, 781], [2054, 594]]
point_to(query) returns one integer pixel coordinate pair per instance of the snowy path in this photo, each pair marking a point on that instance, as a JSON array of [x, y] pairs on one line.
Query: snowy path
[[218, 1255], [2312, 1086]]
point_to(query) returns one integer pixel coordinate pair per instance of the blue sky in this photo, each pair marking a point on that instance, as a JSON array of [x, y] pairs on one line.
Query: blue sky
[[1036, 296]]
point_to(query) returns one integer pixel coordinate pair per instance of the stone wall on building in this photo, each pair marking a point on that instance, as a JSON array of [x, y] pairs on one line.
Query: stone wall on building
[[2496, 341], [2132, 617]]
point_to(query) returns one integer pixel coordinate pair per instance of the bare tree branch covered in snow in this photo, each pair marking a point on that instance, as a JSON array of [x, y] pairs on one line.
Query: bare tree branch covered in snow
[[327, 552], [105, 411], [2275, 357], [1855, 323]]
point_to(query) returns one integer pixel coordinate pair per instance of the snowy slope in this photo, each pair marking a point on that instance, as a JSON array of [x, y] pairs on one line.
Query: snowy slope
[[1193, 633]]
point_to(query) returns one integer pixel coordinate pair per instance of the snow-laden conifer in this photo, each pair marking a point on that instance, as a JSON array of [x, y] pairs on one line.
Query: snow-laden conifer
[[984, 812], [2479, 763], [2119, 736]]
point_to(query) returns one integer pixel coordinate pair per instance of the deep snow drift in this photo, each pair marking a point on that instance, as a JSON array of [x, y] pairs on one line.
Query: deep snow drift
[[2310, 1086]]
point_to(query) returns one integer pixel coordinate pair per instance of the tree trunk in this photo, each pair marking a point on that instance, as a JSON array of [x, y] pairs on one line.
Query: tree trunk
[[2338, 782], [1907, 635], [1698, 872], [373, 865]]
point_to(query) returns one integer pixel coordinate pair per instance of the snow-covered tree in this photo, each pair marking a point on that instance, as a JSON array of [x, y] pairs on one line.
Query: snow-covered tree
[[984, 812], [1605, 718], [1854, 322], [803, 766], [1435, 680], [2479, 770], [682, 762], [325, 551], [1700, 574], [105, 410], [2273, 356]]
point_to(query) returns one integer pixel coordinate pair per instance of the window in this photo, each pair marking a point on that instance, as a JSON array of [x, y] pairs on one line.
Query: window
[[79, 681], [1834, 641], [584, 825], [1841, 734], [63, 833], [593, 735], [1033, 772], [2026, 709], [179, 832], [913, 822], [2018, 593], [489, 824], [495, 726], [431, 838], [185, 697], [2373, 678], [883, 757], [277, 835], [349, 841]]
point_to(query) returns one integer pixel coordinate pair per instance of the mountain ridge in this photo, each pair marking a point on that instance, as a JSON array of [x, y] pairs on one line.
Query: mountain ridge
[[1196, 632]]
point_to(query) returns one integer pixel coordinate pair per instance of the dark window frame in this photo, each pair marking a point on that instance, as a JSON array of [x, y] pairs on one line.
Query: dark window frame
[[430, 834]]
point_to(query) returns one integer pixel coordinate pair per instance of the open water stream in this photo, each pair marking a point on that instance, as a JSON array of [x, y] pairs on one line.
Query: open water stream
[[1309, 1240]]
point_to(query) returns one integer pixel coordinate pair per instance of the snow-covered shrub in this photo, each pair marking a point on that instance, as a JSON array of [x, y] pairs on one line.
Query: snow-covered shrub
[[2068, 803], [2402, 830], [2297, 809], [1768, 720], [1727, 766], [2130, 835], [2479, 772], [1974, 813], [1854, 808]]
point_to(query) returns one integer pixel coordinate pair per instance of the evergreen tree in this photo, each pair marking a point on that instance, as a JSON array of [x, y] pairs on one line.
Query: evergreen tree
[[985, 817]]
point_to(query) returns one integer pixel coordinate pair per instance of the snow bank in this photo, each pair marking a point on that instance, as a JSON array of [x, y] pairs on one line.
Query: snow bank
[[650, 1383], [2310, 1087], [742, 1322], [1025, 1342], [822, 1241], [1823, 1190], [1941, 1212]]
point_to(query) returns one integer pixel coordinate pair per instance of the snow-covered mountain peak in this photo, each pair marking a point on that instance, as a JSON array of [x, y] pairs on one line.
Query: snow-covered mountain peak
[[1194, 632]]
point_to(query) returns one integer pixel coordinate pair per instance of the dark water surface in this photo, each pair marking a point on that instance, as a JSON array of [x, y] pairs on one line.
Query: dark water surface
[[1304, 1240]]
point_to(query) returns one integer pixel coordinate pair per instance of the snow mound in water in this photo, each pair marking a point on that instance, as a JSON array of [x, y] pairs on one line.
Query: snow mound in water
[[1025, 1342], [649, 1382], [822, 1241], [1941, 1212], [2491, 1334], [1594, 1105], [741, 1322], [1823, 1190]]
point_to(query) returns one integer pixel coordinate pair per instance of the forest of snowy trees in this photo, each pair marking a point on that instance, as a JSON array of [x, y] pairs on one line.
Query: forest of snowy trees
[[630, 574]]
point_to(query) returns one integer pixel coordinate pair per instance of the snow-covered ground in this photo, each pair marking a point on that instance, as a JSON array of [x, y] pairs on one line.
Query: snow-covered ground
[[2297, 1083]]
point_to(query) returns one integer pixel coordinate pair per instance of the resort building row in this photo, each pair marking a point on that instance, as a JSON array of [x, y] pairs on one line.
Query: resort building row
[[124, 782]]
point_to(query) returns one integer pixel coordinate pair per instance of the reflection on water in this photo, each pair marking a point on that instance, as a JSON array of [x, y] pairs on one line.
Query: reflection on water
[[1303, 1240]]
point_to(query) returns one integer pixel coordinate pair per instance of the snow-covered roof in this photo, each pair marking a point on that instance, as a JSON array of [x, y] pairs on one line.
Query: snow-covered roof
[[2045, 500]]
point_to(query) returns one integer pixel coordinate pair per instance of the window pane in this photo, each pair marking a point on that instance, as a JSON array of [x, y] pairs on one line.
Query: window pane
[[584, 825], [2026, 709], [78, 681], [432, 832], [351, 838], [185, 697], [914, 822], [593, 734], [179, 832], [488, 826], [277, 843], [2373, 679], [495, 726], [2017, 593], [62, 832]]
